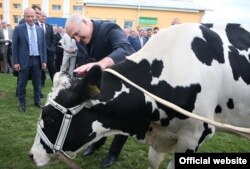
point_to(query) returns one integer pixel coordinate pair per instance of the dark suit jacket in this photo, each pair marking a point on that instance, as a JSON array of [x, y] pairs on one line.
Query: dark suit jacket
[[136, 44], [108, 39], [20, 45], [49, 36], [57, 38]]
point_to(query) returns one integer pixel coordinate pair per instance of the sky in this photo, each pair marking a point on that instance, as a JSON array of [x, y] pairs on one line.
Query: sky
[[234, 11]]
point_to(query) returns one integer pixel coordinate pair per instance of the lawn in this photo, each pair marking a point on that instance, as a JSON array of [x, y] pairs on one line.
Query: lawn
[[17, 132]]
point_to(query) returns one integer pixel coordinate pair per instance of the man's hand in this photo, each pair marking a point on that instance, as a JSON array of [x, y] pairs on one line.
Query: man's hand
[[44, 66], [104, 63], [17, 67]]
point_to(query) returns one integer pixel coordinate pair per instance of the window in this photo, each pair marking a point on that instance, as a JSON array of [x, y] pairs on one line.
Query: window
[[147, 21], [17, 6], [77, 8], [17, 18], [128, 24], [56, 7]]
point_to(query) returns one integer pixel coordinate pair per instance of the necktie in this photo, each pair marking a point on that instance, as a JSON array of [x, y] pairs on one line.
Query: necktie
[[42, 25], [33, 44]]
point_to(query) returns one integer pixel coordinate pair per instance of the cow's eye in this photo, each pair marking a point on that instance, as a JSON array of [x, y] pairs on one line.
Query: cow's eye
[[48, 121]]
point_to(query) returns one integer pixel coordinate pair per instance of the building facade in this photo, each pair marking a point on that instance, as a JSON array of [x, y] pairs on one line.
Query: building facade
[[126, 13]]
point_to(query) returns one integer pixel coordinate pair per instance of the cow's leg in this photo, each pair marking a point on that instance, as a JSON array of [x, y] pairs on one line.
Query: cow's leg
[[155, 158], [191, 137]]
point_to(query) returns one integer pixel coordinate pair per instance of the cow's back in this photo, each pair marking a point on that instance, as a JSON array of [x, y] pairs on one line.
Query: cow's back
[[215, 57]]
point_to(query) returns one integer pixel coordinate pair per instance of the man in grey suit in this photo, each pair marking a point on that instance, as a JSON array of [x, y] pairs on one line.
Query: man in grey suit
[[29, 57], [5, 43]]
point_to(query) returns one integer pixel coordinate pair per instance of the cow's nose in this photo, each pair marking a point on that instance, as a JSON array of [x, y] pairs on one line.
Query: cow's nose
[[31, 156]]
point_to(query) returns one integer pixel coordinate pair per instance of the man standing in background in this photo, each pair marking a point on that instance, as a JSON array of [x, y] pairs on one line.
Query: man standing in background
[[29, 57], [49, 37], [58, 48], [5, 40]]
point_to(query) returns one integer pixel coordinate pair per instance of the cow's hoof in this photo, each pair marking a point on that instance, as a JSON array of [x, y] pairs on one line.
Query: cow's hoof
[[108, 161]]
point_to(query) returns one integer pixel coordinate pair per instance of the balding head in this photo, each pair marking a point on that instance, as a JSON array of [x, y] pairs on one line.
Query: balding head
[[75, 19], [4, 23], [43, 17], [30, 16], [79, 27]]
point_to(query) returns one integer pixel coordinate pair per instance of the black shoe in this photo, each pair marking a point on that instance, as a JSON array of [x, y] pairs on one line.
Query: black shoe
[[22, 108], [41, 95], [108, 161], [38, 105], [90, 150]]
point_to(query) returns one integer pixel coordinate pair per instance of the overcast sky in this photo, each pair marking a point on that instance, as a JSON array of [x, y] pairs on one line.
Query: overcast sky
[[237, 11]]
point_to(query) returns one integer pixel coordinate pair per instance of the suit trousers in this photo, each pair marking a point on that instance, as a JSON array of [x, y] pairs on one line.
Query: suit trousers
[[34, 69], [116, 145], [51, 64]]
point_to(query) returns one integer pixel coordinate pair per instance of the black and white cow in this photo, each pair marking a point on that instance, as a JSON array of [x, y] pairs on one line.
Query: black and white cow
[[203, 69]]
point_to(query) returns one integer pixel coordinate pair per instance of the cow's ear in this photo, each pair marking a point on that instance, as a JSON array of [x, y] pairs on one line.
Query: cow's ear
[[92, 81]]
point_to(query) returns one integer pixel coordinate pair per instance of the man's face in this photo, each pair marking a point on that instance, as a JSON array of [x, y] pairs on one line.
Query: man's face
[[149, 33], [4, 24], [38, 13], [30, 17], [42, 18], [81, 33]]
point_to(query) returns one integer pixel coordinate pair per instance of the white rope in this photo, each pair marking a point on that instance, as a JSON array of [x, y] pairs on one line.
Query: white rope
[[182, 111]]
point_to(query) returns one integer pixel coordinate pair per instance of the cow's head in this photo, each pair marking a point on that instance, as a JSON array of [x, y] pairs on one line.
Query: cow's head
[[63, 125]]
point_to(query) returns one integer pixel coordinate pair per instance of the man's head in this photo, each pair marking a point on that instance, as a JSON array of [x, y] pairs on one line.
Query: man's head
[[30, 16], [141, 32], [38, 11], [175, 21], [4, 24], [60, 29], [127, 31], [80, 28], [156, 30], [149, 32], [43, 17]]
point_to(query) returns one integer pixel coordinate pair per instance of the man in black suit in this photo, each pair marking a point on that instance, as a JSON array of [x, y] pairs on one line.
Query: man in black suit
[[49, 37], [29, 57], [106, 43], [58, 50], [139, 41], [37, 10]]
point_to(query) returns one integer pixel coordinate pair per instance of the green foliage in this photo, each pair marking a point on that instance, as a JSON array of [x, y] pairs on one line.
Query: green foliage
[[17, 132]]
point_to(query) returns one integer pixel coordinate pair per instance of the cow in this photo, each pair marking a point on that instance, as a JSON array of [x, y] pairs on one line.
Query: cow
[[204, 69]]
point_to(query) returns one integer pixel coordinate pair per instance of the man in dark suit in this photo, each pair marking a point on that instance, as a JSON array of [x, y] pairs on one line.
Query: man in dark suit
[[49, 37], [139, 41], [29, 57], [59, 50], [107, 44], [38, 11]]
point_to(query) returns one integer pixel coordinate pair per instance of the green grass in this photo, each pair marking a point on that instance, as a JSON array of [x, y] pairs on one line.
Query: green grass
[[17, 132]]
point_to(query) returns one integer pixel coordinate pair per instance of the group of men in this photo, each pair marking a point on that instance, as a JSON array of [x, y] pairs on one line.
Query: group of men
[[139, 37], [99, 42]]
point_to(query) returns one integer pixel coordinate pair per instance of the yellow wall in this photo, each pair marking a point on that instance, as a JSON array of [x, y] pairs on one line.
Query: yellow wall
[[15, 11], [1, 10], [164, 18]]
